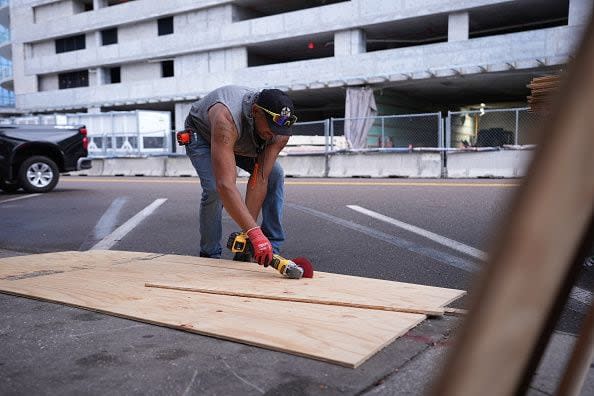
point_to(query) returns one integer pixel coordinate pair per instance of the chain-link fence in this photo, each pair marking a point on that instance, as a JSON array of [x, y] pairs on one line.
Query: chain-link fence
[[148, 132], [395, 131], [311, 136], [490, 128]]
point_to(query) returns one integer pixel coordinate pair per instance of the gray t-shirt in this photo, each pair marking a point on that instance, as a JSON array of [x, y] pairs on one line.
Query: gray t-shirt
[[239, 101]]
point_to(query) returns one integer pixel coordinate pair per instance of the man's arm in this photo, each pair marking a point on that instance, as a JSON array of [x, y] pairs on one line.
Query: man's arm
[[258, 182], [223, 137]]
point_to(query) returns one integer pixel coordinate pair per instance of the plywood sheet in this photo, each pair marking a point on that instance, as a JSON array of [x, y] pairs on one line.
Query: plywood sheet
[[113, 282]]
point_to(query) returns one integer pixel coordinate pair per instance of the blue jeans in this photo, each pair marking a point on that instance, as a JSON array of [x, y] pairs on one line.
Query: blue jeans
[[211, 206]]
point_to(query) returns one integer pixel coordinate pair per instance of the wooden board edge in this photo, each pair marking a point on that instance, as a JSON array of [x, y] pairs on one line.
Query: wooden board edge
[[351, 365], [430, 311], [390, 341]]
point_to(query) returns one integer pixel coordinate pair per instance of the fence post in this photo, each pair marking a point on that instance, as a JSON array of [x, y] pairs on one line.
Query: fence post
[[331, 133], [327, 126], [448, 131], [111, 138], [383, 137], [517, 127], [138, 143], [447, 144]]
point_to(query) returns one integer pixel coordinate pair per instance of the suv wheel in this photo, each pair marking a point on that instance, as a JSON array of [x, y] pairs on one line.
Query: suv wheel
[[38, 174], [8, 187]]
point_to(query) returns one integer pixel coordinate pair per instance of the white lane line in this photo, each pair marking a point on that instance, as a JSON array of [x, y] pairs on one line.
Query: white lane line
[[578, 294], [107, 222], [582, 295], [438, 255], [19, 198], [469, 250], [116, 236]]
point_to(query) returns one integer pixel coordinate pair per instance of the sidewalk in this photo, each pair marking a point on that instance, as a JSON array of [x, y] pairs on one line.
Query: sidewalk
[[424, 366]]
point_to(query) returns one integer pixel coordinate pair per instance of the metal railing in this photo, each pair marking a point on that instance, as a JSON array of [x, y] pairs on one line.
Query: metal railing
[[5, 71], [490, 128], [113, 134], [4, 36], [6, 98]]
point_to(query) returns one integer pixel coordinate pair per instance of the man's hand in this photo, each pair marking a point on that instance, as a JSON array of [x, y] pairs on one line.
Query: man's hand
[[261, 245]]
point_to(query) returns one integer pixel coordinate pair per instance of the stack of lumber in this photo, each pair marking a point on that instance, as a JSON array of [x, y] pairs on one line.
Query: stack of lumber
[[543, 90]]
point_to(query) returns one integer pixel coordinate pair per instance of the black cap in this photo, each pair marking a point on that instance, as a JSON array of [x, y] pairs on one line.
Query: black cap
[[277, 102]]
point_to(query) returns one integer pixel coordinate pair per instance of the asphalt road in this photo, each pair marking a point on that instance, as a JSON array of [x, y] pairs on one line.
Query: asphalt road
[[336, 223]]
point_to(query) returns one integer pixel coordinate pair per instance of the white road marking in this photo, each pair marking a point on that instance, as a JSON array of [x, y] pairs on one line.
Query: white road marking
[[578, 294], [116, 236], [107, 222], [469, 250], [582, 295], [19, 198], [435, 254]]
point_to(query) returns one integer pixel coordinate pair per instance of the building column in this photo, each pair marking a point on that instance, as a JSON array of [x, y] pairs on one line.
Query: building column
[[458, 26], [99, 4], [96, 77], [181, 112], [350, 42], [579, 12]]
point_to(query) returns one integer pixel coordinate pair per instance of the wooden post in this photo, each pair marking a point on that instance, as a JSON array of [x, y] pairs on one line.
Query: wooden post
[[531, 264]]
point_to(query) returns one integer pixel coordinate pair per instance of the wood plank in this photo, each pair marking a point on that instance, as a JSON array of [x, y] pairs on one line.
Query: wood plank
[[532, 259], [193, 273], [113, 283], [417, 310], [248, 278]]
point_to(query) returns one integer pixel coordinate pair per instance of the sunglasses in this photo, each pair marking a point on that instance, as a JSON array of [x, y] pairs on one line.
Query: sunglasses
[[278, 119]]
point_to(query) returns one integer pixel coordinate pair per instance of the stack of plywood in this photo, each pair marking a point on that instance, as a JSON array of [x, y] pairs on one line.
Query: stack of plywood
[[543, 90], [335, 318]]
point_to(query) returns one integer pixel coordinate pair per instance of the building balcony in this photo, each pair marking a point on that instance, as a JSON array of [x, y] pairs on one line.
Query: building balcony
[[5, 45], [6, 77], [6, 101], [5, 13]]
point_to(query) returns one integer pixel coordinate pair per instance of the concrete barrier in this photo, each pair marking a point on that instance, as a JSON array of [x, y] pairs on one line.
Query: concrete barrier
[[385, 165], [148, 166], [179, 166], [502, 163], [303, 165], [96, 169]]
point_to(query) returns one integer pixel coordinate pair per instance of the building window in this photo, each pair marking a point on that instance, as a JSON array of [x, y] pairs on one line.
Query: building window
[[73, 79], [165, 26], [72, 43], [115, 75], [167, 68], [109, 36]]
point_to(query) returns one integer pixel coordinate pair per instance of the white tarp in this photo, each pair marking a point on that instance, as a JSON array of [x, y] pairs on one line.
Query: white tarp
[[360, 107]]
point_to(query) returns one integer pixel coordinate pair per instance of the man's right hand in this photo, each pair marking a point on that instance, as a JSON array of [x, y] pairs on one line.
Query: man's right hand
[[261, 246]]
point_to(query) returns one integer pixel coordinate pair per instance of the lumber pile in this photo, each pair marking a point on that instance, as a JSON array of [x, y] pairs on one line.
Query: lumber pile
[[543, 90]]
